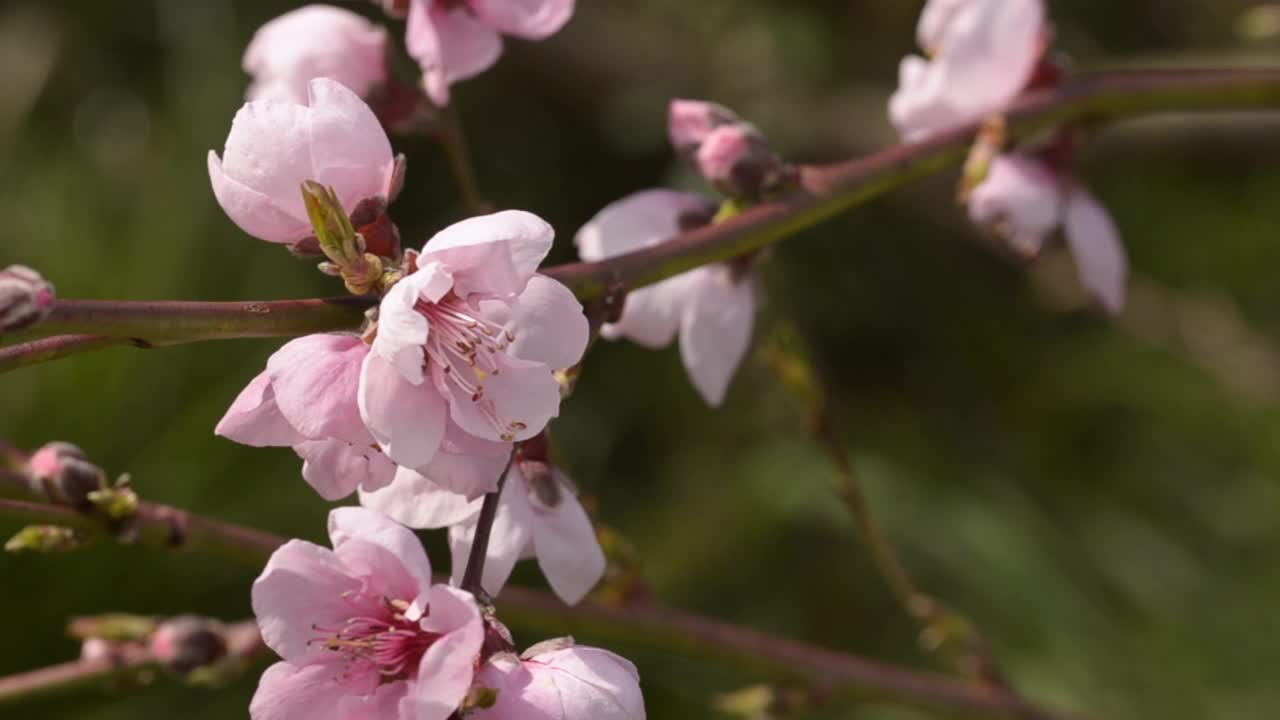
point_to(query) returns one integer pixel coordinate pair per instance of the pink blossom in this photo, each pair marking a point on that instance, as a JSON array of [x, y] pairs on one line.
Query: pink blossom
[[454, 40], [274, 146], [26, 298], [361, 630], [538, 516], [982, 54], [562, 682], [470, 341], [315, 41], [306, 399], [712, 307], [1025, 201]]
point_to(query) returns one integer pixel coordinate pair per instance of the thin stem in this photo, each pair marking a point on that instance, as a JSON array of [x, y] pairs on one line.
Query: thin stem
[[454, 142], [473, 576], [154, 524], [126, 661], [35, 352], [825, 190], [840, 677]]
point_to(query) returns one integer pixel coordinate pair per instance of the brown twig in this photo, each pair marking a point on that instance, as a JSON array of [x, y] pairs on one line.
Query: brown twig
[[824, 191], [835, 674], [473, 575]]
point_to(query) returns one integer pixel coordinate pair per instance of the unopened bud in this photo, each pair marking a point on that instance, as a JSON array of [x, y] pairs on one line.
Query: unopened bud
[[26, 298], [689, 122], [737, 161], [187, 643], [371, 221], [62, 472]]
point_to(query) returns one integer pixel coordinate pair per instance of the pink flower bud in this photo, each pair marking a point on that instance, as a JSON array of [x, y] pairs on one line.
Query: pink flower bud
[[188, 642], [274, 147], [737, 161], [62, 472], [315, 41], [689, 122], [26, 298]]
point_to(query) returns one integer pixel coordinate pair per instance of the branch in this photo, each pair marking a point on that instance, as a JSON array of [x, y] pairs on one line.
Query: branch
[[839, 676], [825, 190], [473, 574], [35, 352], [126, 661]]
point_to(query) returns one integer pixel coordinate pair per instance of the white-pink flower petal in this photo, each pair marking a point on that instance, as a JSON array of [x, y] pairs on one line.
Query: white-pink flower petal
[[407, 421], [716, 330], [314, 41], [1095, 244], [491, 254]]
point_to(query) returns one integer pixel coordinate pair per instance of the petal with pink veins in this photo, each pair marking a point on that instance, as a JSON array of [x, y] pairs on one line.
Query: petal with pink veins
[[407, 421], [301, 580], [315, 378], [255, 419], [449, 45], [491, 254], [335, 468], [448, 666], [309, 692], [349, 150], [417, 502], [546, 321], [402, 329], [517, 402]]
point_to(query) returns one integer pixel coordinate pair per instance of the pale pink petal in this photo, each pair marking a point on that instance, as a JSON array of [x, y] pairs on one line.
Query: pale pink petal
[[407, 421], [315, 379], [448, 666], [415, 501], [309, 692], [402, 329], [1019, 197], [520, 694], [383, 573], [348, 524], [269, 151], [516, 404], [568, 551], [382, 704], [255, 419], [467, 464], [257, 214], [336, 468], [934, 20], [1095, 243], [639, 220], [350, 151], [301, 580], [532, 19], [492, 254], [449, 45], [315, 41], [546, 321], [651, 315], [594, 683], [511, 534], [716, 330]]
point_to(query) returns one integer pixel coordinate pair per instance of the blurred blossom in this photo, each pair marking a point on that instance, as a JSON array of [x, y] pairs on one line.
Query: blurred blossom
[[455, 40], [315, 41], [362, 630], [712, 307], [980, 55], [689, 122], [469, 341], [1023, 201], [274, 146], [559, 680]]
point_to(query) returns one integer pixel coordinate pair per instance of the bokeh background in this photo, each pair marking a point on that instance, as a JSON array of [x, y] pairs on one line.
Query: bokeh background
[[1101, 496]]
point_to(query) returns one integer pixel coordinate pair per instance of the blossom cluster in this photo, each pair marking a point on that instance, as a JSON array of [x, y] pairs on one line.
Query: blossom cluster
[[445, 396]]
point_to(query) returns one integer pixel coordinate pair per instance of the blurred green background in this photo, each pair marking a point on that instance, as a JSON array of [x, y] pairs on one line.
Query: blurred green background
[[1100, 496]]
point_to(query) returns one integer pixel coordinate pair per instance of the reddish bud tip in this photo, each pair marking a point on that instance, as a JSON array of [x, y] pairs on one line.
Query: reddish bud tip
[[62, 472], [188, 642], [689, 122], [26, 298], [738, 161]]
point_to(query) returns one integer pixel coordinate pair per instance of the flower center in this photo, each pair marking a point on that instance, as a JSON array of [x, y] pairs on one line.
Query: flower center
[[468, 350], [377, 638]]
